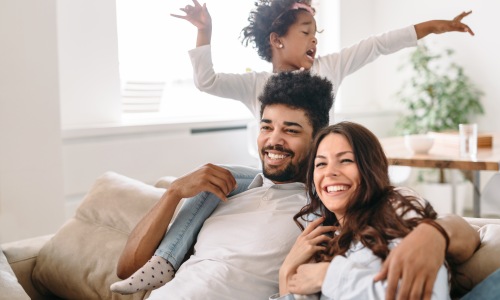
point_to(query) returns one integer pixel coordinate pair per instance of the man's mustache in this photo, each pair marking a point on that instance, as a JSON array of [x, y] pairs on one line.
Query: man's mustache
[[277, 148]]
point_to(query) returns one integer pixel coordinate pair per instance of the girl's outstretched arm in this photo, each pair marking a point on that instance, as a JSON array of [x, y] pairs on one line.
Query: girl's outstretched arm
[[198, 16], [442, 26]]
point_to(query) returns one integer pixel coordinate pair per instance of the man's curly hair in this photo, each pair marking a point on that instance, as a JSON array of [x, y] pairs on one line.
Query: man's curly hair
[[300, 90], [267, 17]]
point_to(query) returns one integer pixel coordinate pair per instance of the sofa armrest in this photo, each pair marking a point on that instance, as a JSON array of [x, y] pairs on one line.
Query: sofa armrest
[[21, 256]]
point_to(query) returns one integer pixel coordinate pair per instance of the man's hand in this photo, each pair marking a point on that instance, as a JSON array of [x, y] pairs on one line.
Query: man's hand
[[416, 261], [308, 279], [209, 178]]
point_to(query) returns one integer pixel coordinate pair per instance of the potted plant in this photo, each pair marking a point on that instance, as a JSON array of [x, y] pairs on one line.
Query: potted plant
[[437, 97]]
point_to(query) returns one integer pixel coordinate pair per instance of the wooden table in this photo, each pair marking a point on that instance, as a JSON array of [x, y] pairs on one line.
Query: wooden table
[[444, 157]]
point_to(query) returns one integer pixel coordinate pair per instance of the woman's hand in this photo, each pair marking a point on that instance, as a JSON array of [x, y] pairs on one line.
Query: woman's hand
[[307, 244], [308, 279]]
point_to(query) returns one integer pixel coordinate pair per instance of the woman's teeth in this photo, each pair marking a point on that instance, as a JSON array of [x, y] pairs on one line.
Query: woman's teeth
[[336, 188]]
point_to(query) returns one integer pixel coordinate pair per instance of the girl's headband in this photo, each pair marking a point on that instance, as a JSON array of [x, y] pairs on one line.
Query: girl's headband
[[301, 5]]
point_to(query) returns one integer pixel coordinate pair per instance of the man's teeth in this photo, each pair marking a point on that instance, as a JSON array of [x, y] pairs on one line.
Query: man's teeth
[[336, 188], [276, 156]]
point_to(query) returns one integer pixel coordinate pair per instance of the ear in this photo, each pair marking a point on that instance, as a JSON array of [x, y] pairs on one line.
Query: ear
[[275, 41]]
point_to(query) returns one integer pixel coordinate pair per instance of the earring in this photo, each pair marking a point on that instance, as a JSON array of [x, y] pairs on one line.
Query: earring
[[280, 46]]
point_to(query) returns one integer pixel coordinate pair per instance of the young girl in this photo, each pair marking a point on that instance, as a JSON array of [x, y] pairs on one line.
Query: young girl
[[283, 33], [349, 190]]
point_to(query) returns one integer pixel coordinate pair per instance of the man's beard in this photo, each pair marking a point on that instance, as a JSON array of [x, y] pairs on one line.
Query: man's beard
[[288, 174], [291, 173]]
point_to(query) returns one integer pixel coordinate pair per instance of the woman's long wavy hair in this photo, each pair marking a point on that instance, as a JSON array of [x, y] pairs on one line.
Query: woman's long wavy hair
[[376, 213], [267, 17]]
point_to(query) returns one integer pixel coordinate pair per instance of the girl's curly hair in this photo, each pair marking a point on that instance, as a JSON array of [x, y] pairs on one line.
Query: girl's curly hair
[[267, 17]]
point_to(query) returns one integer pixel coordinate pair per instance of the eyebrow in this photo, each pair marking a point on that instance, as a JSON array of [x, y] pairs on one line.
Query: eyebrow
[[337, 155], [286, 123]]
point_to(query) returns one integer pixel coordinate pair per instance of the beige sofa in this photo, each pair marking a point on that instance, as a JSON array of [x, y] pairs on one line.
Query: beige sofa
[[79, 260]]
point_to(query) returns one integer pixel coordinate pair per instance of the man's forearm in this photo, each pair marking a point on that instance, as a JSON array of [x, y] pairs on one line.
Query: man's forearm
[[146, 236], [464, 239]]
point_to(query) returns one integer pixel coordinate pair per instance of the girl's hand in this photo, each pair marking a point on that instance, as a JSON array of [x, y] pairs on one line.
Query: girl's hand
[[453, 25], [308, 279], [197, 15], [443, 26], [307, 244]]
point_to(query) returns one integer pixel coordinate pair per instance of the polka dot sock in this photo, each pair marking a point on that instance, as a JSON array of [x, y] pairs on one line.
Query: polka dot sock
[[155, 273]]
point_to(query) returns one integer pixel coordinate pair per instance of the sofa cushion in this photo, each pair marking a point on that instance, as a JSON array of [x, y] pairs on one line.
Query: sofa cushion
[[79, 262], [485, 260], [10, 287]]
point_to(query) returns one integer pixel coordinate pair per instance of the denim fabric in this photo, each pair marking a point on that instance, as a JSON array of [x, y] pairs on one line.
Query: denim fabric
[[183, 232], [488, 289]]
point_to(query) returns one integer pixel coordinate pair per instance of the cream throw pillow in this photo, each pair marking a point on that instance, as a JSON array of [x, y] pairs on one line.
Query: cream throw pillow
[[79, 262]]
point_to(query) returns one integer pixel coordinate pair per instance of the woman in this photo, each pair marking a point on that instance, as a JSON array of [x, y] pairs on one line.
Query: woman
[[361, 218]]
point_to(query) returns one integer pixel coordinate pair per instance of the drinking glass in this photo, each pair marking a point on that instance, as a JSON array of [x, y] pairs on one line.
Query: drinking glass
[[468, 139]]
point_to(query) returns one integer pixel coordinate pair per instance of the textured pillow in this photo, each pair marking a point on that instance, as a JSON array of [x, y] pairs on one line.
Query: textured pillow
[[485, 261], [79, 262]]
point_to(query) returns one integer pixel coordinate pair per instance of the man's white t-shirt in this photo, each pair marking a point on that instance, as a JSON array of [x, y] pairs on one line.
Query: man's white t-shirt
[[241, 246]]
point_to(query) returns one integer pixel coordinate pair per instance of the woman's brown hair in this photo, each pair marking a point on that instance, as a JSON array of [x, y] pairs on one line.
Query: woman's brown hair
[[377, 213]]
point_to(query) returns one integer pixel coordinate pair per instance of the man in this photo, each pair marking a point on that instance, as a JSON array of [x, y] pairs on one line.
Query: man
[[243, 243]]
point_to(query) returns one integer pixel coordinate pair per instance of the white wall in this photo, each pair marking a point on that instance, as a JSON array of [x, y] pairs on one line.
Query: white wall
[[380, 80], [88, 62], [31, 183]]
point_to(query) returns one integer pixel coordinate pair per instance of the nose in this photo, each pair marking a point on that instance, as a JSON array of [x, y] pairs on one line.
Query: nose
[[315, 41], [275, 138], [332, 171]]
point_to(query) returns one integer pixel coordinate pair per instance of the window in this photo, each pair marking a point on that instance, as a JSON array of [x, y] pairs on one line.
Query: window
[[153, 50]]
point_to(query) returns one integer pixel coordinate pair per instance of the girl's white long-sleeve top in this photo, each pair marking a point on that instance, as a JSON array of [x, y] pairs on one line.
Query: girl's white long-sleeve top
[[246, 87]]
